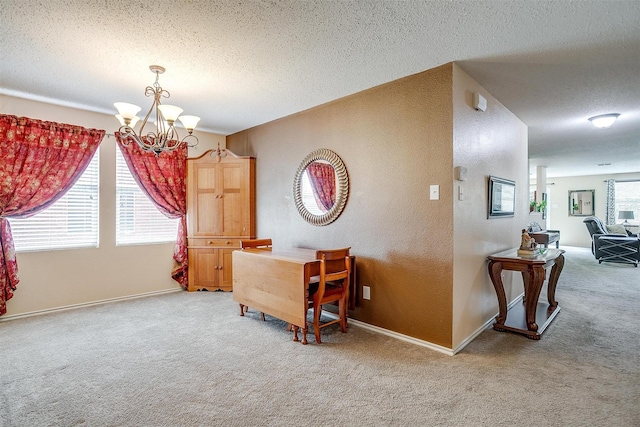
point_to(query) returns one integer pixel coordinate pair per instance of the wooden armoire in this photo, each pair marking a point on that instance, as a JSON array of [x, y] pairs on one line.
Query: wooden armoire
[[220, 213]]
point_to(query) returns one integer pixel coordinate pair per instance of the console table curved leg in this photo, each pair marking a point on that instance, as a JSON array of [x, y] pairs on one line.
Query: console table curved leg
[[553, 281], [533, 286], [495, 272]]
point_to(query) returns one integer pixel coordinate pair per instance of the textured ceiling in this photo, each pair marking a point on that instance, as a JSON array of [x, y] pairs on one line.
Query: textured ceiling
[[238, 64]]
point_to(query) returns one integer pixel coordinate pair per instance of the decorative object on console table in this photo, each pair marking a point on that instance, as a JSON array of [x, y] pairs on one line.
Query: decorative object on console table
[[528, 246], [220, 213]]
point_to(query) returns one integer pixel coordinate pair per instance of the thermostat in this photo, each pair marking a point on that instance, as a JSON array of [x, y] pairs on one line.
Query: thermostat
[[479, 102]]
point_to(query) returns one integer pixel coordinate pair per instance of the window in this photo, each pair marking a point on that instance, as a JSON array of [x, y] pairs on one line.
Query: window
[[138, 221], [628, 199], [71, 222]]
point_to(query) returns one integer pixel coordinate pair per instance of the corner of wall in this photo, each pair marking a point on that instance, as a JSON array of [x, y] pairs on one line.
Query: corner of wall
[[487, 143]]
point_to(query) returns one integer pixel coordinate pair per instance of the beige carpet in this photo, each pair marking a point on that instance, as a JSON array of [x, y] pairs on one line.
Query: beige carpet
[[189, 359]]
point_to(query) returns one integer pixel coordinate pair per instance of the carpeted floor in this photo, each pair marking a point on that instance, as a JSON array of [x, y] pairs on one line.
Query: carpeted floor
[[189, 359]]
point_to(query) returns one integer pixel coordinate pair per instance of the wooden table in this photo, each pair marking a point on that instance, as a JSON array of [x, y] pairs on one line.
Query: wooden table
[[275, 282], [532, 317]]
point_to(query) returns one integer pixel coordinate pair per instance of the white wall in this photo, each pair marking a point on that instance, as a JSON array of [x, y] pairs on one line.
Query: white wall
[[493, 142], [62, 278], [573, 232]]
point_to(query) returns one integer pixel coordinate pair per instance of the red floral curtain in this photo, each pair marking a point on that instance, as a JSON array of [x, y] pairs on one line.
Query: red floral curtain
[[39, 162], [323, 182], [163, 179]]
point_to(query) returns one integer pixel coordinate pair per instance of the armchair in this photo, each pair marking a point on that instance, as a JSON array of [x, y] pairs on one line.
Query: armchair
[[610, 247]]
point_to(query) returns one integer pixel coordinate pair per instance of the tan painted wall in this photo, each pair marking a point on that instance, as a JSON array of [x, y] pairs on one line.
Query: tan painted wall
[[62, 278], [396, 140], [493, 142]]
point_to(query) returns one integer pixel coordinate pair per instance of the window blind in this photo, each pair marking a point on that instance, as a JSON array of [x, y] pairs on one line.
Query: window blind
[[138, 221], [71, 222]]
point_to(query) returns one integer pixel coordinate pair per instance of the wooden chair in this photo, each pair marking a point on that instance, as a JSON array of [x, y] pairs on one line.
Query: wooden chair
[[254, 244], [332, 286]]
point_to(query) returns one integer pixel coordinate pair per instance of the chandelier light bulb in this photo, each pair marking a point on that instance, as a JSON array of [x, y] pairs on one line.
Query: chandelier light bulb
[[126, 110], [189, 122], [170, 112], [123, 122], [604, 120]]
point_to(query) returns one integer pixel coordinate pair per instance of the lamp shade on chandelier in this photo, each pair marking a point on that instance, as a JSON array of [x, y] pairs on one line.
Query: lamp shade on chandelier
[[165, 137]]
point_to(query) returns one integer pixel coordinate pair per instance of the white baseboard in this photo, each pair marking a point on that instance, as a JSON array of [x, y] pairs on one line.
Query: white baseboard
[[86, 304], [423, 343], [393, 334], [402, 337], [487, 325]]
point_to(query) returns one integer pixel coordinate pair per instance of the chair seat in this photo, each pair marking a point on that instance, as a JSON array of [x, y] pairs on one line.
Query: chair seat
[[330, 289]]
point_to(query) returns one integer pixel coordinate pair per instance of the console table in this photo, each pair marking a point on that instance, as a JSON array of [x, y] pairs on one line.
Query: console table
[[531, 317]]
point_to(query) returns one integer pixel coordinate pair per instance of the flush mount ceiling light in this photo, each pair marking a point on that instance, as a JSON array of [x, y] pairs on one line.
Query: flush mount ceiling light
[[604, 120], [165, 137]]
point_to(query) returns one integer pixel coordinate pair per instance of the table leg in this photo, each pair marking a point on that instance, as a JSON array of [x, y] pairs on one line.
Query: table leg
[[242, 310], [495, 272], [553, 281], [532, 288]]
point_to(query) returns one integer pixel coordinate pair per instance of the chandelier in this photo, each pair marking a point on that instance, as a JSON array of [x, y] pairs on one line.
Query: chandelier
[[165, 137]]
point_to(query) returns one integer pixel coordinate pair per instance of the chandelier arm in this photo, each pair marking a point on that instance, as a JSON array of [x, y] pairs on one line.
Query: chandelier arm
[[188, 138]]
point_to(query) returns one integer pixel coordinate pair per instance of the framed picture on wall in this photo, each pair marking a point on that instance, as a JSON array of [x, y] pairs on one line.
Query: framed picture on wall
[[502, 197]]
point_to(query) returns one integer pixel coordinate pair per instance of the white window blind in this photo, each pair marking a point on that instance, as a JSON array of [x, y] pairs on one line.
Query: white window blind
[[138, 221], [71, 222]]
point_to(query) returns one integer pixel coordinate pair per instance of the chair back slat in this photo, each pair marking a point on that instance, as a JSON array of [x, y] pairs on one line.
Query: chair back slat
[[255, 243]]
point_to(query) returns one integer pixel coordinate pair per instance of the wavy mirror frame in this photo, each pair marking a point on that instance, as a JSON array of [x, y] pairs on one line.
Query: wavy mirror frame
[[341, 195]]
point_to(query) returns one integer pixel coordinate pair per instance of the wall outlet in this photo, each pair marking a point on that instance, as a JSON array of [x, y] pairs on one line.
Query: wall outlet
[[366, 292]]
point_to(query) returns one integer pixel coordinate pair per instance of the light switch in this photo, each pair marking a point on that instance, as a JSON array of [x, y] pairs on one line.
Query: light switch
[[460, 193], [434, 192]]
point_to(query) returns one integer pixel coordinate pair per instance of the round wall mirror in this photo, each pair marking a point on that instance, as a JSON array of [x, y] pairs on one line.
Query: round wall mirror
[[321, 187]]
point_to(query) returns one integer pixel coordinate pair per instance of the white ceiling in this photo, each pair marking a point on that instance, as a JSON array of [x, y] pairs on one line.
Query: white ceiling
[[238, 64]]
